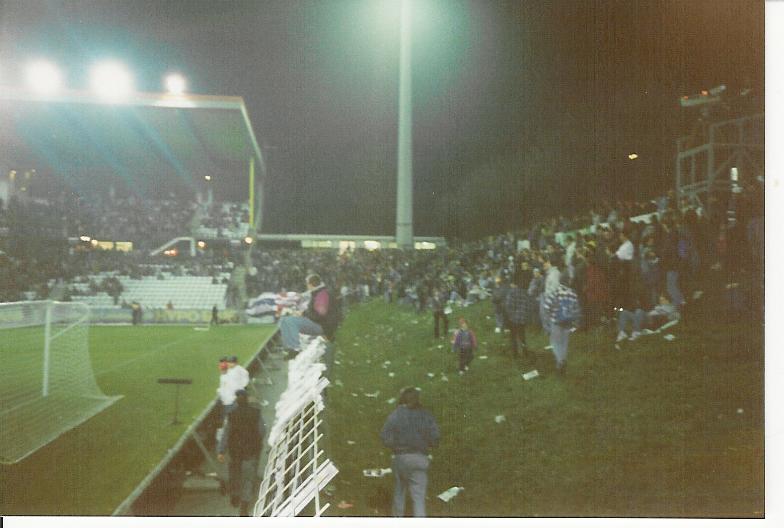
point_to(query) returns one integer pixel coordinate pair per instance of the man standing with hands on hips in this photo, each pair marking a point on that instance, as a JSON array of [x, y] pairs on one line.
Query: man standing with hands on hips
[[410, 431]]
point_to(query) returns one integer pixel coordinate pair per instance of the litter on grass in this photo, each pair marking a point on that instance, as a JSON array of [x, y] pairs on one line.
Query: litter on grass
[[548, 347], [201, 328], [669, 337], [440, 346], [387, 362], [482, 357], [450, 494], [530, 375], [354, 394], [431, 375], [350, 442], [444, 378], [337, 362], [500, 418], [391, 374], [373, 394], [263, 403], [376, 472], [338, 383], [391, 401], [343, 505]]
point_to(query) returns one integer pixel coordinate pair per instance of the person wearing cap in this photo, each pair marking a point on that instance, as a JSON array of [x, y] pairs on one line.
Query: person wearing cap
[[234, 379], [410, 431], [242, 440]]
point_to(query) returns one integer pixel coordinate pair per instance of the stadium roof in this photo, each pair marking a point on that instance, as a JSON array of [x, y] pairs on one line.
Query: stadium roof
[[192, 135]]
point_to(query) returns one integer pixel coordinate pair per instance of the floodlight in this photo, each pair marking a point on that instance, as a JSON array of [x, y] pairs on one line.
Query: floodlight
[[43, 77], [175, 83], [111, 80]]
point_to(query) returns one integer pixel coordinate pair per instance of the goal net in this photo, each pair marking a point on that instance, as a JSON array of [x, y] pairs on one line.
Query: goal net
[[47, 386]]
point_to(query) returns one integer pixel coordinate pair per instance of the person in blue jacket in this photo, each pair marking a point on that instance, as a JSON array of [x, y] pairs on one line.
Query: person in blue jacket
[[410, 431]]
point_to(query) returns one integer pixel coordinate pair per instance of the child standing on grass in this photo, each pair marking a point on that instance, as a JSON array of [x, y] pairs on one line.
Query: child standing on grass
[[464, 343]]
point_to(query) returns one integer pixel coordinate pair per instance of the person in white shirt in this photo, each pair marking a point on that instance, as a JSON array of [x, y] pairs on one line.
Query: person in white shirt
[[626, 250], [571, 247], [233, 379]]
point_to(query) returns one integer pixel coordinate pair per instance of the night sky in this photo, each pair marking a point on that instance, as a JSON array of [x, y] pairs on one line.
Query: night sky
[[520, 108]]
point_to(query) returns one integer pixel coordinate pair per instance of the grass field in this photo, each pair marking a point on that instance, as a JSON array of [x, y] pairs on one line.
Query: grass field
[[655, 429], [90, 470]]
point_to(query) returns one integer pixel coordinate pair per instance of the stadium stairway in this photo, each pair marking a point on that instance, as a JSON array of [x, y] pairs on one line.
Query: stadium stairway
[[201, 496]]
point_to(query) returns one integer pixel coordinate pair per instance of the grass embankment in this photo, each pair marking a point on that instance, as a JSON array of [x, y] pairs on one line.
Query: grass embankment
[[658, 428], [91, 469]]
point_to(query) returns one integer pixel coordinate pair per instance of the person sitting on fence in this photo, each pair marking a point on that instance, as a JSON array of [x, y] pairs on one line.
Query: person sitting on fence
[[242, 439], [319, 318]]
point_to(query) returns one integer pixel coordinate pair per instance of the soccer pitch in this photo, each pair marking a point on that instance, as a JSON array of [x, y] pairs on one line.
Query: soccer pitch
[[91, 469]]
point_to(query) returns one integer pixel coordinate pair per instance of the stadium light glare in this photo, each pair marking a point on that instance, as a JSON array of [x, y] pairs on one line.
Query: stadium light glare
[[43, 77], [175, 83], [111, 80]]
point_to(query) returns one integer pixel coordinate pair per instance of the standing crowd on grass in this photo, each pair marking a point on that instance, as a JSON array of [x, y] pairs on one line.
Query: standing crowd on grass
[[639, 273], [643, 274]]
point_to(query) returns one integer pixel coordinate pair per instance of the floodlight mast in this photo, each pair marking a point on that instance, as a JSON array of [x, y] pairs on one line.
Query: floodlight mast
[[404, 232]]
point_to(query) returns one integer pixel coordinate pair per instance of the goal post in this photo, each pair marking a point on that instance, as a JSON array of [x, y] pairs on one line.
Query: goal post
[[47, 384]]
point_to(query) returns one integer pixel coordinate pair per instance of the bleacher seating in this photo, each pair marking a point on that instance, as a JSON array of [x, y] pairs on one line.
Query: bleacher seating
[[185, 292]]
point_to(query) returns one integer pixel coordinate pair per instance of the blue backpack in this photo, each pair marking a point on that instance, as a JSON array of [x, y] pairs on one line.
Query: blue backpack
[[568, 311]]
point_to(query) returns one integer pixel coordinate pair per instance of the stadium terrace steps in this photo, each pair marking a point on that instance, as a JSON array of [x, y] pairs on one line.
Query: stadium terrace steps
[[184, 292]]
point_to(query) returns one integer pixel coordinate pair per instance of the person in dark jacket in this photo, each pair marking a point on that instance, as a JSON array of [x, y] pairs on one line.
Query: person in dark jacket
[[517, 305], [242, 439], [499, 301], [410, 431], [438, 305]]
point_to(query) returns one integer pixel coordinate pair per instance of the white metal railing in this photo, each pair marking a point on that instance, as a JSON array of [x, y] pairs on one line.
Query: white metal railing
[[297, 470]]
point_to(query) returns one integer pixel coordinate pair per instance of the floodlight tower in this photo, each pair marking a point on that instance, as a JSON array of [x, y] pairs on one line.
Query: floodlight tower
[[404, 229]]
